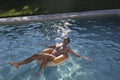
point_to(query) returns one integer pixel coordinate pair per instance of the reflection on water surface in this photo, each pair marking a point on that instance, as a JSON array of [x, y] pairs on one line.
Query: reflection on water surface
[[97, 38]]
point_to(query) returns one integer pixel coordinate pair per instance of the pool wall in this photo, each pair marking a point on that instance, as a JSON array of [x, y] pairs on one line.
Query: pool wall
[[37, 18]]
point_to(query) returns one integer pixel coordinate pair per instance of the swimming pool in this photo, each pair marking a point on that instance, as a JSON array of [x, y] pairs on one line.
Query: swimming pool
[[96, 37]]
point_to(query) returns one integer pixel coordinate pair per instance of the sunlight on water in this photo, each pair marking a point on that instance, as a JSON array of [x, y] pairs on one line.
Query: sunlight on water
[[97, 38]]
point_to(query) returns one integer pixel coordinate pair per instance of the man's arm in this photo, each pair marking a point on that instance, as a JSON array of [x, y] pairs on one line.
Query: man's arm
[[76, 55], [73, 53]]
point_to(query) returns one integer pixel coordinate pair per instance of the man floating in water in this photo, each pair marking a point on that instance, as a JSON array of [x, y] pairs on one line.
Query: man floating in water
[[51, 56]]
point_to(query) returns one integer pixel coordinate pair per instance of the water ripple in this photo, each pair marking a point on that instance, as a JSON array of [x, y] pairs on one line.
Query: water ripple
[[97, 38]]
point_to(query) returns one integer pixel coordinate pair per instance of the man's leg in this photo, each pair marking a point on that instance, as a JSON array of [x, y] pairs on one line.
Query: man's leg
[[47, 58], [43, 64], [28, 60]]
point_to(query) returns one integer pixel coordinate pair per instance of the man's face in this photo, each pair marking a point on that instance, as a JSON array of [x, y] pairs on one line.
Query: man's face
[[65, 41]]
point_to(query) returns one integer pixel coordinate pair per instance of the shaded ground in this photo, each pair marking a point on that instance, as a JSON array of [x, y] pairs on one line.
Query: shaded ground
[[10, 8]]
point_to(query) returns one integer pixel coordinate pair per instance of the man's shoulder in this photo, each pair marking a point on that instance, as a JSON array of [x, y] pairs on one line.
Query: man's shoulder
[[68, 48]]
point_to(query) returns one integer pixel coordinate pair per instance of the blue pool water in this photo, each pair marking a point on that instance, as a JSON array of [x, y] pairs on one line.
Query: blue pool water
[[98, 38]]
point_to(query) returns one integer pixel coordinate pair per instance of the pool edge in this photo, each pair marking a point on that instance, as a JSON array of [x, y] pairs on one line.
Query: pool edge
[[37, 18]]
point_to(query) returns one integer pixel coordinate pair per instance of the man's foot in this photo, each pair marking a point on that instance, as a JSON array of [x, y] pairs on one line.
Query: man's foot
[[14, 64]]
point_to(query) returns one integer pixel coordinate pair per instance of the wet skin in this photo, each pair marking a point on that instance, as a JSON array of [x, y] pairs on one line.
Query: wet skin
[[50, 54]]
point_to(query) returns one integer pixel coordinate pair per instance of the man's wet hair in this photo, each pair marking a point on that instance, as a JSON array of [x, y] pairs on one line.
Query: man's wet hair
[[68, 39]]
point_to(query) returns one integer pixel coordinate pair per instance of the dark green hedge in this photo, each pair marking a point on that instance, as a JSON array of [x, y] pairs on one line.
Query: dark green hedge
[[10, 8]]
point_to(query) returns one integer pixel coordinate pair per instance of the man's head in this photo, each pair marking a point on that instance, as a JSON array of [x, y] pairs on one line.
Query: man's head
[[66, 40]]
